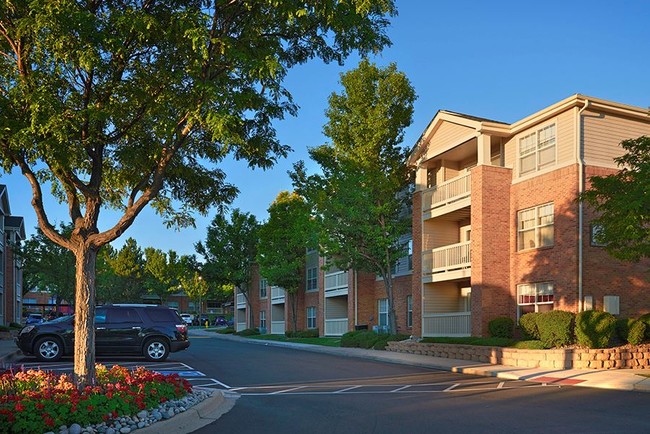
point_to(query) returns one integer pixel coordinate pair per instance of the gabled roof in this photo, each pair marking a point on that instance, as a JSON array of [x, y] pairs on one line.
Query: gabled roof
[[16, 224], [4, 200]]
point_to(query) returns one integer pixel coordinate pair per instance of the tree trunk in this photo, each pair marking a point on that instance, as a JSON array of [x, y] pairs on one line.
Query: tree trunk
[[392, 317], [84, 322], [294, 310]]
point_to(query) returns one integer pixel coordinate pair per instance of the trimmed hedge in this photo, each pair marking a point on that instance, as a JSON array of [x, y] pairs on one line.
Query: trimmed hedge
[[249, 332], [501, 327], [636, 332], [309, 333], [595, 329], [646, 319], [556, 328], [528, 326], [369, 339]]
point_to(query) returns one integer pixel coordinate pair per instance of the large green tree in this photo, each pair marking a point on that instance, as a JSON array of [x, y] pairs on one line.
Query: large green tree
[[622, 202], [128, 267], [362, 196], [48, 266], [229, 251], [134, 103], [283, 243]]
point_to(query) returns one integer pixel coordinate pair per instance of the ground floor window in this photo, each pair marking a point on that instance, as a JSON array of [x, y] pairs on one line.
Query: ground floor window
[[383, 312], [409, 311], [262, 319], [534, 297], [311, 317]]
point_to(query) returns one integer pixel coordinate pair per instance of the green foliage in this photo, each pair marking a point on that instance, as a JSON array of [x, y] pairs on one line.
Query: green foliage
[[556, 328], [369, 339], [4, 328], [646, 319], [471, 340], [595, 329], [528, 345], [248, 332], [226, 331], [362, 196], [636, 332], [229, 250], [309, 333], [622, 201], [528, 325], [502, 327], [15, 325]]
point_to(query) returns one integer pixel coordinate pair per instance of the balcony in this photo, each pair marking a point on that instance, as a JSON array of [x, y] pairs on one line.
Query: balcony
[[447, 196], [241, 326], [277, 295], [446, 263], [336, 283], [277, 327], [336, 327], [453, 324], [241, 301]]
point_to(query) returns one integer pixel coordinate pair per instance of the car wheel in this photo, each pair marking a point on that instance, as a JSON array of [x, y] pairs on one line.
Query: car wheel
[[48, 349], [156, 350]]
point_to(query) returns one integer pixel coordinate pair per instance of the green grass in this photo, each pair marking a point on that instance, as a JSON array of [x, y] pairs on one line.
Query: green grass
[[326, 342]]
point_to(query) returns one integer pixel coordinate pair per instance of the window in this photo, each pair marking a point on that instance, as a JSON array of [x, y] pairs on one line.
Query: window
[[383, 312], [534, 297], [409, 311], [537, 150], [262, 319], [312, 279], [311, 317], [535, 227], [263, 285]]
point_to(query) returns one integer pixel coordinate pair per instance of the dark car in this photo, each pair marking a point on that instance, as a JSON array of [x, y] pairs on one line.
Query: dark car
[[150, 331]]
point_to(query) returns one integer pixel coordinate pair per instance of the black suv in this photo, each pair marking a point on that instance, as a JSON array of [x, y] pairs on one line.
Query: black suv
[[151, 331]]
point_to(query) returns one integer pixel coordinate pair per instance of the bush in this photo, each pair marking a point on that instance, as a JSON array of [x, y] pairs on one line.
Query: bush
[[501, 327], [636, 332], [4, 328], [369, 339], [227, 331], [528, 345], [309, 333], [622, 328], [249, 332], [556, 328], [595, 329], [528, 325], [15, 325], [646, 319]]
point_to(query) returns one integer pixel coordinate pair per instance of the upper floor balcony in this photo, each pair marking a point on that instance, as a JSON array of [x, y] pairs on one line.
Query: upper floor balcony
[[277, 295], [336, 283], [241, 301], [447, 196], [449, 262]]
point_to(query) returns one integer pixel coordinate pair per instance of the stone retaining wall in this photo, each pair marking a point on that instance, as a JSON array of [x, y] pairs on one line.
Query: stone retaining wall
[[610, 358]]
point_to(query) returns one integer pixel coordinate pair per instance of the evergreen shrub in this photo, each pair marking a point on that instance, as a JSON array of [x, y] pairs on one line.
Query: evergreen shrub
[[595, 329], [528, 326], [501, 327], [556, 328]]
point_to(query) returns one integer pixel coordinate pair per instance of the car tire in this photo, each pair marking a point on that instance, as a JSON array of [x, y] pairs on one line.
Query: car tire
[[48, 349], [156, 350]]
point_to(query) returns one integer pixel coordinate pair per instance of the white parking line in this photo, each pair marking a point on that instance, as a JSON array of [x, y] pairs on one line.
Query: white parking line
[[400, 388], [287, 390], [347, 389], [452, 387]]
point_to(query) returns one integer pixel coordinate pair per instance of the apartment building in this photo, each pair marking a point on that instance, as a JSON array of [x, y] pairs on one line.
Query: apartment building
[[12, 233], [333, 301], [497, 229]]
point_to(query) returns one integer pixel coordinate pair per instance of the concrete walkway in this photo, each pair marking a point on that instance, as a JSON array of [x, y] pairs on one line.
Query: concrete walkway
[[211, 409]]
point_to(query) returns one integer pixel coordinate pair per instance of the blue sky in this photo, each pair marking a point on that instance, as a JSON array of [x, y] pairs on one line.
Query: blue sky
[[500, 59]]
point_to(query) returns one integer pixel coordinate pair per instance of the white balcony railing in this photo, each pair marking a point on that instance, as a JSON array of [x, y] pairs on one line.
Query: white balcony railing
[[446, 193], [241, 326], [277, 295], [336, 283], [447, 258], [241, 301], [447, 324], [336, 327], [277, 327]]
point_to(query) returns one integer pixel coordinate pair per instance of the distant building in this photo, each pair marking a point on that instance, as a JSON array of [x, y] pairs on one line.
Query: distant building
[[12, 233]]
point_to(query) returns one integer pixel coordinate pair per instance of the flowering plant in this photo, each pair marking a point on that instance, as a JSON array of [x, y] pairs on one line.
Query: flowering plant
[[34, 401]]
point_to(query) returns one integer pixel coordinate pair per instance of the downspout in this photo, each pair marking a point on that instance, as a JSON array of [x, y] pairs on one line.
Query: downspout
[[356, 298], [581, 188]]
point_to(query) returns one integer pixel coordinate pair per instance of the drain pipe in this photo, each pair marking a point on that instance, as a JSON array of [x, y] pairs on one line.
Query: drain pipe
[[581, 188]]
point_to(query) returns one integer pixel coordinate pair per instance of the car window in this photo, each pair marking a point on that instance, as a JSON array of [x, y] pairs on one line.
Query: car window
[[100, 316], [162, 315], [123, 315]]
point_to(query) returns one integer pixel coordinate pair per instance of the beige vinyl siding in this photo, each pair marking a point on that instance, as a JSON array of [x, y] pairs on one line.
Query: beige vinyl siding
[[603, 134], [336, 307], [565, 143], [447, 136], [438, 233], [441, 297]]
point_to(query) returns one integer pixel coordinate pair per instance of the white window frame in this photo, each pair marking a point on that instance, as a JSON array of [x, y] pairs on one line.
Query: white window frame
[[311, 317], [262, 319], [264, 285], [535, 146], [409, 311], [312, 279], [538, 220], [534, 294], [382, 312]]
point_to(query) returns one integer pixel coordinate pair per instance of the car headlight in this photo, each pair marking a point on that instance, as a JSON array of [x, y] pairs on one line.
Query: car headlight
[[27, 329]]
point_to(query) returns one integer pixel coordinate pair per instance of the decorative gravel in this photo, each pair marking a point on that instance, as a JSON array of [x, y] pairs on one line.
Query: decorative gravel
[[127, 424]]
